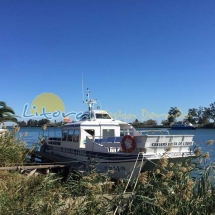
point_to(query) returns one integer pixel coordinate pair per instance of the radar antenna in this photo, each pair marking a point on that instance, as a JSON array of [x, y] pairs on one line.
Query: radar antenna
[[90, 102]]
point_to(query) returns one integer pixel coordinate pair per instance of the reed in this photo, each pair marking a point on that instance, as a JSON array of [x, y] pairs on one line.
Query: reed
[[169, 189], [12, 148]]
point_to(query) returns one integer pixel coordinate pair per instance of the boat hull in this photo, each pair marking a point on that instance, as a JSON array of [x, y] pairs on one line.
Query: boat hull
[[183, 128], [115, 166], [118, 166]]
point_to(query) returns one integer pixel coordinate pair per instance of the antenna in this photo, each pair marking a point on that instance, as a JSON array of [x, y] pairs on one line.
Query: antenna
[[90, 102], [82, 87]]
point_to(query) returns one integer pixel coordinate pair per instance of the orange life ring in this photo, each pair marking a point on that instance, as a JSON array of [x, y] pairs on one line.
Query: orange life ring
[[133, 144]]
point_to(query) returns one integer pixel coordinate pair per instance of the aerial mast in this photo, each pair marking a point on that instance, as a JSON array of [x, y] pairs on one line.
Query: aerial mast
[[90, 102]]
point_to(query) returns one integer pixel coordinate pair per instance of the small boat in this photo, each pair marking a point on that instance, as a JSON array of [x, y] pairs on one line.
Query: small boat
[[115, 145], [183, 126]]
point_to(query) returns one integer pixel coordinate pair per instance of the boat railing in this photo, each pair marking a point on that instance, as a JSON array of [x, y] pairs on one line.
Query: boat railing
[[154, 132], [99, 139], [54, 140], [113, 144]]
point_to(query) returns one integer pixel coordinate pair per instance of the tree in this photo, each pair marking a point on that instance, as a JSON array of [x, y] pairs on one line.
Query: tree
[[212, 111], [192, 115], [22, 123], [35, 123], [43, 121], [174, 112], [30, 122], [165, 122], [136, 122], [203, 115], [150, 122], [6, 113]]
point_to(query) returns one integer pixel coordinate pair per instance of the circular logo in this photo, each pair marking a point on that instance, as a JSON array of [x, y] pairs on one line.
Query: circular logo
[[48, 102]]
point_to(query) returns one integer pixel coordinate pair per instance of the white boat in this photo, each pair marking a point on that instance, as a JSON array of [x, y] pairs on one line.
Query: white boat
[[114, 144]]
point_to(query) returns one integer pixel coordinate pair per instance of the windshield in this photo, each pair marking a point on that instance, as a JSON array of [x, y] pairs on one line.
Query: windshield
[[102, 116]]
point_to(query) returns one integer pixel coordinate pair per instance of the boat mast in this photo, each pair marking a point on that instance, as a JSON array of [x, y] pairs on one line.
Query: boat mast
[[90, 102]]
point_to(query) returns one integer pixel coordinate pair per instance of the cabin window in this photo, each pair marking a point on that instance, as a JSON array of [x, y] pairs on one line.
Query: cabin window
[[108, 132], [90, 131], [70, 134], [76, 135], [102, 116], [64, 135]]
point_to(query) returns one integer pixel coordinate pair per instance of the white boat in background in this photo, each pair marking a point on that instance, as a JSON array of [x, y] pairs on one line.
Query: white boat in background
[[114, 144]]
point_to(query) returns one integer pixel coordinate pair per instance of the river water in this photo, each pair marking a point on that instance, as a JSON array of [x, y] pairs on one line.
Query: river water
[[201, 136]]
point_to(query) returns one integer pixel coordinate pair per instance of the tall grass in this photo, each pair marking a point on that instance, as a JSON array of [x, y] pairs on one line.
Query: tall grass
[[169, 189], [12, 148]]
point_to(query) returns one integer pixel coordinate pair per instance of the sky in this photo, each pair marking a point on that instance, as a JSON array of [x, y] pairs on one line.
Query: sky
[[137, 57]]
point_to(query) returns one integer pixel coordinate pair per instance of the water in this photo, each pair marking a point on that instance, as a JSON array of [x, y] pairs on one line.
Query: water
[[34, 133], [200, 136]]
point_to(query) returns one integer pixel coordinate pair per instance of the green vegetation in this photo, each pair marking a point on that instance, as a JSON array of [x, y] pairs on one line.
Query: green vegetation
[[169, 189], [149, 123], [12, 148], [6, 113], [38, 123]]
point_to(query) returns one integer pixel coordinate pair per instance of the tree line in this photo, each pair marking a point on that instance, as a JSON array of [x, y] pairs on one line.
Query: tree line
[[37, 123], [202, 116]]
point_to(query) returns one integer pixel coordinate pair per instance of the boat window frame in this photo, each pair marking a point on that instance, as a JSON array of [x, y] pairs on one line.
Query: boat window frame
[[102, 116], [64, 137], [76, 137], [93, 130], [71, 135], [111, 135]]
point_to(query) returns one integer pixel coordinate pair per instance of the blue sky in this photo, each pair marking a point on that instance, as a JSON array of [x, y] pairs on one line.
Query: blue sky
[[134, 55]]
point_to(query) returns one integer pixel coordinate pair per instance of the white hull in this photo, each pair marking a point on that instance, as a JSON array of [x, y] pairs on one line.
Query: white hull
[[118, 168]]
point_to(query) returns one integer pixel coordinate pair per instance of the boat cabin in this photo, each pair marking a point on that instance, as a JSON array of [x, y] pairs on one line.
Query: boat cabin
[[97, 125]]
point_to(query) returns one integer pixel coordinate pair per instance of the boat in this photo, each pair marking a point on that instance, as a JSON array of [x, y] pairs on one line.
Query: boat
[[183, 126], [115, 145]]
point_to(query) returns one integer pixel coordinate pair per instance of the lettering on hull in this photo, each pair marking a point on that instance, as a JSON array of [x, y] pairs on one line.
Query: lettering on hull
[[173, 143], [115, 168], [68, 150]]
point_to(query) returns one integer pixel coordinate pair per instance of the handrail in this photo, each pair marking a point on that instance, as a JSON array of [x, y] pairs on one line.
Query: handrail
[[110, 139], [153, 131]]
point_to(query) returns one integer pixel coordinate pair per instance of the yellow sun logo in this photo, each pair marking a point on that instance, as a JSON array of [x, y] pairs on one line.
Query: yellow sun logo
[[48, 103], [49, 106]]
